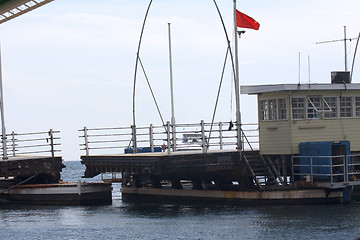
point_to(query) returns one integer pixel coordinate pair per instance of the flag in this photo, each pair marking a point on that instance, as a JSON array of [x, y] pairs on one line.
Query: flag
[[244, 21]]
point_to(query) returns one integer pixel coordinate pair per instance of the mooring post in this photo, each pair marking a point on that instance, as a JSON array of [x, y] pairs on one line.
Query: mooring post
[[86, 141], [51, 134]]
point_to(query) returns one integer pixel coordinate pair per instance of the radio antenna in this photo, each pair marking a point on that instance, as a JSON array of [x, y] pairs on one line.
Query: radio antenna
[[345, 48]]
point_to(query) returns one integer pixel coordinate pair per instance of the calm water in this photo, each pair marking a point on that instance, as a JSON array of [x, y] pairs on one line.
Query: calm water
[[168, 221]]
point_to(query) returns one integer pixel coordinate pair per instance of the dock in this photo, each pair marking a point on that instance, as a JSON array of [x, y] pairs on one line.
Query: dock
[[33, 156], [189, 170], [30, 173]]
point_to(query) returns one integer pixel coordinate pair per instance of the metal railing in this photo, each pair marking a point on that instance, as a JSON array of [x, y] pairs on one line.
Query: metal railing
[[32, 144], [332, 169], [201, 136]]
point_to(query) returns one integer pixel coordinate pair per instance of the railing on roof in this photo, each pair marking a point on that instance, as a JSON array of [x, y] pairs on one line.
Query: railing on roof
[[335, 171], [32, 144], [198, 136]]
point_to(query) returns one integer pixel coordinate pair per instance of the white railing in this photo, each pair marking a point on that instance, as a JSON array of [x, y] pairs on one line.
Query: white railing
[[201, 136], [333, 169], [32, 144]]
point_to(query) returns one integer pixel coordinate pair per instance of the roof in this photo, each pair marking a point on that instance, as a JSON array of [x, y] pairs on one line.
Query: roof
[[258, 89], [10, 9]]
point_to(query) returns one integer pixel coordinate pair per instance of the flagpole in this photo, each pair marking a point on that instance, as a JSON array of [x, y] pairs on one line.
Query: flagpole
[[2, 114], [172, 93], [237, 85]]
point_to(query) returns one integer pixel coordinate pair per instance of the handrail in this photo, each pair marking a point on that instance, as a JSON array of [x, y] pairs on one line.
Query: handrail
[[190, 136], [334, 169], [45, 143]]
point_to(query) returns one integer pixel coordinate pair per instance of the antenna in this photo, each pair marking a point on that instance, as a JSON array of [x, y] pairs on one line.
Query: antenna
[[309, 69], [345, 49], [299, 69]]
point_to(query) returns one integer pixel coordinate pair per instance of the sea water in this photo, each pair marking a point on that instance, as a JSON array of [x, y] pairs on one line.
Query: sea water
[[176, 221]]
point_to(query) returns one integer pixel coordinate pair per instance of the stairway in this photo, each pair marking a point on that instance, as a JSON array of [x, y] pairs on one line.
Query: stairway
[[263, 173]]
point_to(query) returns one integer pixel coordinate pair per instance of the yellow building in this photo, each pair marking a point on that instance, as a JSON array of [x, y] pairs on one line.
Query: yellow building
[[289, 114]]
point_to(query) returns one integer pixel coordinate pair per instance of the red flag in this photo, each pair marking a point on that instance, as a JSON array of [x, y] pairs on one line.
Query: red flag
[[245, 21]]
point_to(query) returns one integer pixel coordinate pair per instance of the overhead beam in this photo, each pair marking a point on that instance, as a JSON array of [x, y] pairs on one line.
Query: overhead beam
[[14, 8]]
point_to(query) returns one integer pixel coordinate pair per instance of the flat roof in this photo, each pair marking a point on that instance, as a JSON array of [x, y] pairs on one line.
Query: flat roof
[[258, 89], [10, 9]]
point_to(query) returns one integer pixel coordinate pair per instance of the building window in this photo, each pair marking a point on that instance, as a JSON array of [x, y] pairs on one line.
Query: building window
[[272, 109], [314, 104], [282, 106], [346, 110], [264, 110], [330, 107], [298, 108], [357, 107]]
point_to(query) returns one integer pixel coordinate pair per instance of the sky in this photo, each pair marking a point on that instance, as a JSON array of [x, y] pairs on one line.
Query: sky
[[70, 64]]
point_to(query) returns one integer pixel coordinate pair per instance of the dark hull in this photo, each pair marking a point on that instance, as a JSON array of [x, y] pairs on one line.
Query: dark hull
[[60, 194], [290, 197]]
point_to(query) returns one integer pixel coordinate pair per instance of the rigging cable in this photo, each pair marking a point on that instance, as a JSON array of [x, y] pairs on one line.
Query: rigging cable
[[152, 93], [217, 98], [352, 66]]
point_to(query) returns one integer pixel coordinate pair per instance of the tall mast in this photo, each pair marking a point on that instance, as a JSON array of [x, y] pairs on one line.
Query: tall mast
[[2, 114], [172, 94], [345, 49], [237, 84]]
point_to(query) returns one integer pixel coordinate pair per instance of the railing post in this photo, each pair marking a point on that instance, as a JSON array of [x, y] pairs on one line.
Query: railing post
[[311, 169], [51, 134], [13, 143], [345, 169], [168, 136], [133, 127], [292, 180], [331, 170], [86, 141], [151, 135], [243, 139], [173, 128], [221, 135], [203, 136]]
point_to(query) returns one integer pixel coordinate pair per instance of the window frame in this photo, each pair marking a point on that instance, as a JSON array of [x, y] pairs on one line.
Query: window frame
[[336, 107], [297, 108], [351, 107], [269, 109]]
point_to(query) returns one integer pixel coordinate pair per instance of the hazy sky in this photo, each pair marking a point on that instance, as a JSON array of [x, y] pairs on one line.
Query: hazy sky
[[71, 63]]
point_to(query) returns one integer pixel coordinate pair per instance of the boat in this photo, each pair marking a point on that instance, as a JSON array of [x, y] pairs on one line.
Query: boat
[[308, 151]]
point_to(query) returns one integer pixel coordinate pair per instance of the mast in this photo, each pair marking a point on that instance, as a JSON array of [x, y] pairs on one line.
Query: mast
[[345, 49], [2, 114], [237, 84], [172, 94]]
